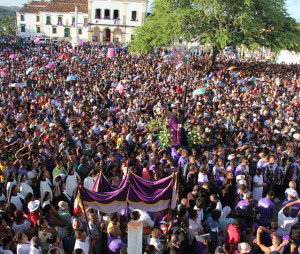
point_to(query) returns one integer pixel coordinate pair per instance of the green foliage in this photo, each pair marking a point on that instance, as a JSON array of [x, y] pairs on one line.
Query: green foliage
[[7, 22], [251, 23]]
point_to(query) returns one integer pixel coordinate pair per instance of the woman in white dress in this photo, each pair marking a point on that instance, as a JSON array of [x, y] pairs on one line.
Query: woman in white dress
[[23, 185], [258, 185]]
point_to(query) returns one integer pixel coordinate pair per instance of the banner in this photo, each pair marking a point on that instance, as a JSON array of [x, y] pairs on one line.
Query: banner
[[152, 203], [110, 52], [149, 187], [150, 196], [102, 185], [108, 202]]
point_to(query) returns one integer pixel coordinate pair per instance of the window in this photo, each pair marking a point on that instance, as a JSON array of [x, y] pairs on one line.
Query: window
[[22, 17], [106, 14], [37, 18], [67, 32], [133, 16], [73, 20], [85, 21], [79, 31], [38, 29], [48, 20], [116, 14], [22, 28], [54, 30], [98, 14], [59, 21]]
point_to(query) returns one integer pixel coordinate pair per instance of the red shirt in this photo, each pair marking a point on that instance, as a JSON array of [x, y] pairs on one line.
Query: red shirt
[[232, 237]]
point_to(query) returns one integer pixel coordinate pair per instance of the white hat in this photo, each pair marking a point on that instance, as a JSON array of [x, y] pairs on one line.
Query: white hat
[[296, 136], [231, 157], [244, 248], [33, 205], [292, 193], [243, 182], [240, 177]]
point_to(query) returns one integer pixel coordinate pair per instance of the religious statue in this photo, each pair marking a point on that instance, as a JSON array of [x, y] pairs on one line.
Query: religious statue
[[179, 135]]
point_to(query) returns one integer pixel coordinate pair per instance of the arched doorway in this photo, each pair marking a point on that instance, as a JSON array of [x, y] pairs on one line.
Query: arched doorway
[[106, 35], [118, 35], [96, 36]]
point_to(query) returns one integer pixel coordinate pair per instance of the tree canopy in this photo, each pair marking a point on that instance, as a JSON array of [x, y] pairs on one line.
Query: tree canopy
[[219, 23]]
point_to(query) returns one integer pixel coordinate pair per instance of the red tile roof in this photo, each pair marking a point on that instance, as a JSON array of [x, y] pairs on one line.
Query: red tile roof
[[56, 6]]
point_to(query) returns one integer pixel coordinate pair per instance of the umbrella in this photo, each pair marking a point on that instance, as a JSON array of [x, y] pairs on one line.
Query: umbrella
[[84, 63], [43, 68], [231, 68], [178, 66], [120, 88], [63, 57], [199, 92], [2, 63], [81, 43], [50, 66], [70, 50], [21, 85], [3, 74], [37, 41], [168, 56], [29, 70], [74, 57], [13, 56], [71, 78], [46, 55]]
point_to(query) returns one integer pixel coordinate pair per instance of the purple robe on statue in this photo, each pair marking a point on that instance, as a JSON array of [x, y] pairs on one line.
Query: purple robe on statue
[[179, 137]]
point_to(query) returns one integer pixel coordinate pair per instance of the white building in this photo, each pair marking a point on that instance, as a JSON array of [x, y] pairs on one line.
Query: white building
[[98, 20], [55, 19]]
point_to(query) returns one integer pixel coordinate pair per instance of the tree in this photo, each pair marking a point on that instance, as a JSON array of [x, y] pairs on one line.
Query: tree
[[219, 23]]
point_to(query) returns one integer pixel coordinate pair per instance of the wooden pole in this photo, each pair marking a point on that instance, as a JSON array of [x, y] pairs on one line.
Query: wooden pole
[[80, 196], [174, 175]]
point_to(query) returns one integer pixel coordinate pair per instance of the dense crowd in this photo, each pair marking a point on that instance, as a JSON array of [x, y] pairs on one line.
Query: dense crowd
[[237, 192]]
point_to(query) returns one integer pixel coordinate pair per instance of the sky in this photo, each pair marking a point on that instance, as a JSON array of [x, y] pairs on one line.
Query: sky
[[293, 6]]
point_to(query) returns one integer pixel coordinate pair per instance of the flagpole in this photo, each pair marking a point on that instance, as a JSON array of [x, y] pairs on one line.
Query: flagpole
[[174, 175], [80, 196]]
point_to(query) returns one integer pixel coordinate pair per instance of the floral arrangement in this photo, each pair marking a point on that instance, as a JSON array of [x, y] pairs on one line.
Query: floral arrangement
[[193, 135], [164, 133], [156, 125], [165, 137]]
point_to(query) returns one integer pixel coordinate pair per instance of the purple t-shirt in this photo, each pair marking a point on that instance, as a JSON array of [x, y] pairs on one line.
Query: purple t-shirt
[[265, 209], [115, 245], [241, 206]]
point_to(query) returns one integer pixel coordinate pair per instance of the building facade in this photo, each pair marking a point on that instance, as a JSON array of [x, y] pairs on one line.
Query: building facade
[[97, 21]]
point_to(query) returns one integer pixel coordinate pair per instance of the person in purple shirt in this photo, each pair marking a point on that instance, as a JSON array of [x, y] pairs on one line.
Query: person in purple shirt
[[114, 242], [174, 156], [182, 161], [242, 205], [199, 247], [266, 209]]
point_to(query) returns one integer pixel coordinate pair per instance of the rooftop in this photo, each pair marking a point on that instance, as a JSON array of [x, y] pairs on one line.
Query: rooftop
[[56, 6]]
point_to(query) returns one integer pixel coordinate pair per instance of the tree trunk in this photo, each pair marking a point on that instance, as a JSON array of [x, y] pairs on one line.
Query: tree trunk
[[212, 62]]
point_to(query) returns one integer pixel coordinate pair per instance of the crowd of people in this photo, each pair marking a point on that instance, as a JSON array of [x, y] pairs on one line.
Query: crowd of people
[[237, 191]]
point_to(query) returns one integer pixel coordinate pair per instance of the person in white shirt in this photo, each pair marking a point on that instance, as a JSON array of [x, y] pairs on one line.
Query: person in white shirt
[[35, 246], [193, 221], [277, 244], [23, 245], [292, 186], [83, 242], [285, 221]]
